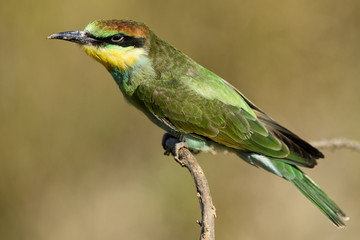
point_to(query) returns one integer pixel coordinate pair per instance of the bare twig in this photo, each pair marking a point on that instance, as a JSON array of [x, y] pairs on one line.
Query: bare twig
[[337, 143], [184, 157]]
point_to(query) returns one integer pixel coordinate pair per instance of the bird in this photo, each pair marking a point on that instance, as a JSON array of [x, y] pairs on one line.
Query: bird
[[198, 107]]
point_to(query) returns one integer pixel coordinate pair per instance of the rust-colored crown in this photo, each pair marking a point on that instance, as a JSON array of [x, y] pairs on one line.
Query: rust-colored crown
[[108, 27]]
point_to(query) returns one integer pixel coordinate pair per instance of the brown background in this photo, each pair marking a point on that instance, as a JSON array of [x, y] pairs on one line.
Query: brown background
[[77, 162]]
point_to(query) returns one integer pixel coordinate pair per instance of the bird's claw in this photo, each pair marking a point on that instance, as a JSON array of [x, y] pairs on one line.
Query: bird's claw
[[172, 145]]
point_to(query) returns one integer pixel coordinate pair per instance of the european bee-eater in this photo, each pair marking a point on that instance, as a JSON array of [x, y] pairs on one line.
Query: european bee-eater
[[197, 106]]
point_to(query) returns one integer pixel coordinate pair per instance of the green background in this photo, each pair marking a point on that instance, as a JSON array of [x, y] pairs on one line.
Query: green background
[[77, 162]]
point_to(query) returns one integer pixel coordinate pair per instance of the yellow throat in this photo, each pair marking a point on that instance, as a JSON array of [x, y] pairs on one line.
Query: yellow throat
[[114, 56]]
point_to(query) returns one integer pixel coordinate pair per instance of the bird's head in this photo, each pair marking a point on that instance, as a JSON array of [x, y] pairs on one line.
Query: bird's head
[[117, 44]]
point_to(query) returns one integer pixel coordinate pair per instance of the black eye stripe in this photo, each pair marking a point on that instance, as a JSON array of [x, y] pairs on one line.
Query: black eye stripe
[[131, 41], [126, 41]]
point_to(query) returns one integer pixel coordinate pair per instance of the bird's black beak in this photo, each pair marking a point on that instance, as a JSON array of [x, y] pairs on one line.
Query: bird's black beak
[[80, 37]]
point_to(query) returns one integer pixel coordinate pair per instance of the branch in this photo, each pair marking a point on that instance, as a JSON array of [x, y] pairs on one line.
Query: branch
[[337, 143], [184, 157]]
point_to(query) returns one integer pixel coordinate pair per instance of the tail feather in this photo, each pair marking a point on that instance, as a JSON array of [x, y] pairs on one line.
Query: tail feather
[[320, 199], [306, 186]]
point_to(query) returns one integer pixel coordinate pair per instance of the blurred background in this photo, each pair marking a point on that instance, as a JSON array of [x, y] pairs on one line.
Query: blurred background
[[78, 162]]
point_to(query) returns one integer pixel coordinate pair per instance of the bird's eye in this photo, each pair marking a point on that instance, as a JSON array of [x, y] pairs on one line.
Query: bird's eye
[[117, 38]]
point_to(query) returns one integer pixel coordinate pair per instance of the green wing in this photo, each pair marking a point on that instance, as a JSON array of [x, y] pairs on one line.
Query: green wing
[[215, 110]]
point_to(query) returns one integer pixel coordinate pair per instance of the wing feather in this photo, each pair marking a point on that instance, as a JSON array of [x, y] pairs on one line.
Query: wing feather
[[233, 126]]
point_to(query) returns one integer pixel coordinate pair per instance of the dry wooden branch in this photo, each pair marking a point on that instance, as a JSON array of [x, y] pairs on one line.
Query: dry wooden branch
[[184, 157], [337, 143]]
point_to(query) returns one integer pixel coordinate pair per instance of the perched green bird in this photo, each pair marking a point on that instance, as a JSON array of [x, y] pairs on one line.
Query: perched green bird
[[197, 106]]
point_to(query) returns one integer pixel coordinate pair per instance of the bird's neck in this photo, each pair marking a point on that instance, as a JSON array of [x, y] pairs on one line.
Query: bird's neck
[[130, 78]]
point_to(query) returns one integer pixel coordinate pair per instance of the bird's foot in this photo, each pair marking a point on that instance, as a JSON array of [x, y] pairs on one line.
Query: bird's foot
[[168, 142], [172, 145]]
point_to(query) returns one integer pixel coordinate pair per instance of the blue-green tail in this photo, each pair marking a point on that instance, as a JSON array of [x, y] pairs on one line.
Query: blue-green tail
[[302, 182], [319, 198]]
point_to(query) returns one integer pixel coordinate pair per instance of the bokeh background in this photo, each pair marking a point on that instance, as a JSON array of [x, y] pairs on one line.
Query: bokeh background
[[78, 162]]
